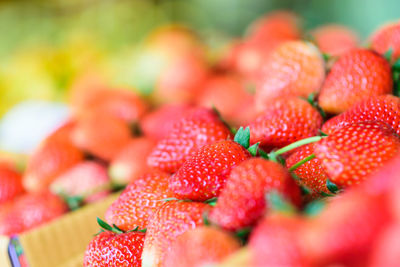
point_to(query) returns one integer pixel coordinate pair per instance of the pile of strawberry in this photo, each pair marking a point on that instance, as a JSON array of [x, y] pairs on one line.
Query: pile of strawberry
[[301, 172]]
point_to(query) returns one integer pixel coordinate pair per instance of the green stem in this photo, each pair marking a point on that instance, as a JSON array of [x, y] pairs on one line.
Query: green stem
[[301, 162], [298, 144]]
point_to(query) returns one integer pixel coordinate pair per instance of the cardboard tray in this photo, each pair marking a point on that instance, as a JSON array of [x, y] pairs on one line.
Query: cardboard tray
[[60, 243]]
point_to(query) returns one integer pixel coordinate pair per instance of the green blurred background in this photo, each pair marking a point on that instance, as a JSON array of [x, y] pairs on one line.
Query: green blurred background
[[45, 44]]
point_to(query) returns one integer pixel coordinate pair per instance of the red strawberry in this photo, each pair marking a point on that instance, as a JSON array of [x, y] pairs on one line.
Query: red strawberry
[[386, 251], [158, 123], [385, 108], [276, 242], [228, 95], [181, 81], [112, 247], [200, 127], [357, 75], [210, 246], [310, 174], [103, 137], [343, 234], [264, 35], [29, 211], [242, 200], [354, 151], [87, 180], [139, 201], [131, 161], [284, 122], [10, 183], [387, 37], [170, 220], [204, 174], [293, 69], [48, 161], [335, 39]]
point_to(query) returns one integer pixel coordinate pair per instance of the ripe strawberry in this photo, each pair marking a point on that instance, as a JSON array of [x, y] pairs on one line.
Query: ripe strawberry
[[310, 174], [103, 137], [264, 35], [139, 201], [10, 183], [354, 151], [112, 247], [344, 232], [387, 37], [242, 200], [357, 75], [158, 123], [204, 174], [210, 246], [386, 251], [384, 108], [29, 211], [92, 96], [131, 161], [48, 161], [276, 242], [170, 220], [181, 81], [284, 122], [335, 39], [200, 127], [87, 181], [228, 95], [293, 69]]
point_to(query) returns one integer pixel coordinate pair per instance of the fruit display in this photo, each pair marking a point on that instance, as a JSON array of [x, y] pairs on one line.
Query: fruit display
[[280, 150]]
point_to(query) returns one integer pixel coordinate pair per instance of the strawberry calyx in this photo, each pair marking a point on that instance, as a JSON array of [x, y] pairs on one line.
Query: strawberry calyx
[[115, 229], [332, 187], [314, 208], [312, 100], [242, 137], [276, 202]]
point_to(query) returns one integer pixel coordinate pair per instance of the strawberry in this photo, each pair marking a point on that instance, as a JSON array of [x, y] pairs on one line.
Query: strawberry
[[357, 75], [386, 251], [228, 95], [242, 200], [356, 150], [158, 123], [131, 161], [387, 38], [293, 69], [10, 183], [384, 108], [113, 247], [263, 36], [335, 39], [88, 181], [139, 201], [103, 137], [120, 103], [276, 242], [344, 232], [48, 161], [310, 174], [92, 96], [211, 245], [30, 210], [203, 175], [200, 127], [170, 220], [284, 122], [181, 81]]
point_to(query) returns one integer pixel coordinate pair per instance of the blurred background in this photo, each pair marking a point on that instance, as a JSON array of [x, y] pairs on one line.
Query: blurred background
[[45, 46]]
